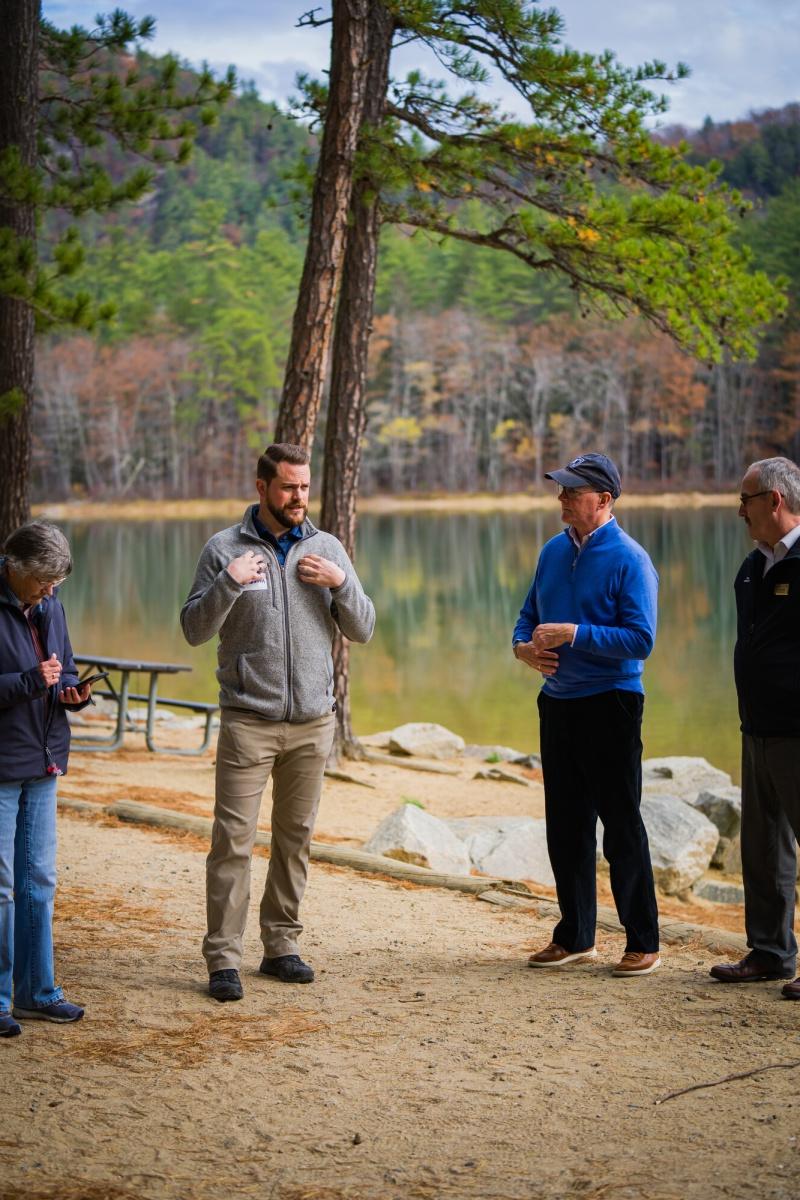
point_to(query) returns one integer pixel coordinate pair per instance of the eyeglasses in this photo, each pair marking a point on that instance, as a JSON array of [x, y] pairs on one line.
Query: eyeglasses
[[46, 583], [744, 498]]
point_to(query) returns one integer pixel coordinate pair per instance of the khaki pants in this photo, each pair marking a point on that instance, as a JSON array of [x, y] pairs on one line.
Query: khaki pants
[[251, 748]]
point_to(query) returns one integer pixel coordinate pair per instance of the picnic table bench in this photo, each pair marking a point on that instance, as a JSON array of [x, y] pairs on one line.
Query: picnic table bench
[[120, 692]]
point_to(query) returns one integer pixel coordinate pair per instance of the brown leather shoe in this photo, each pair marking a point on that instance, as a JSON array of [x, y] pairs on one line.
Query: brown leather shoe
[[636, 962], [556, 956], [750, 969], [792, 990]]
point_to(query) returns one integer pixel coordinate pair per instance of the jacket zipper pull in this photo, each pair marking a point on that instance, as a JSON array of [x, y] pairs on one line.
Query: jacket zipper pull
[[52, 766]]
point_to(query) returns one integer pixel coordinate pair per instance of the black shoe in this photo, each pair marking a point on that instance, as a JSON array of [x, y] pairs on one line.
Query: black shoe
[[225, 985], [289, 968], [8, 1026], [751, 969]]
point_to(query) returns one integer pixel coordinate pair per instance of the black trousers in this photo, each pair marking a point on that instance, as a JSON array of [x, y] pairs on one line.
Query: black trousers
[[592, 764], [770, 825]]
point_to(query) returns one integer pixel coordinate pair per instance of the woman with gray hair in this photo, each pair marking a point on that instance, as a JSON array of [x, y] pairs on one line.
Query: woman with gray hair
[[38, 683]]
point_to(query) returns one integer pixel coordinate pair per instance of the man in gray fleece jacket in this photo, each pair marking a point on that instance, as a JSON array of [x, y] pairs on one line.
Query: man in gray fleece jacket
[[273, 588]]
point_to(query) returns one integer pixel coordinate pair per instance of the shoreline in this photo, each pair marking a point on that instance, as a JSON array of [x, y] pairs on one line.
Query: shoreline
[[479, 502]]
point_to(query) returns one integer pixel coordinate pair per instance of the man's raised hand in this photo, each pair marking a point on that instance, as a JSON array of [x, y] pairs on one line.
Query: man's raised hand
[[320, 571], [247, 568]]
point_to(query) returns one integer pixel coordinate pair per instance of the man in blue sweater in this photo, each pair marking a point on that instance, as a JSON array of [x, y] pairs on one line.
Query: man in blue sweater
[[587, 624]]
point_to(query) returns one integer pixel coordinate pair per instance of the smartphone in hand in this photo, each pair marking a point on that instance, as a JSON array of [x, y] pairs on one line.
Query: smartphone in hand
[[92, 678]]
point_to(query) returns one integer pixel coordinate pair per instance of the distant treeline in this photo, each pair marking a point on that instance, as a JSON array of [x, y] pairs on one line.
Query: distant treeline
[[482, 373]]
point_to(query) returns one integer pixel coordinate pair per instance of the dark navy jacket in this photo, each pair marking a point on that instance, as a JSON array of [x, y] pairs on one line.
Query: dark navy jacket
[[34, 732], [767, 655]]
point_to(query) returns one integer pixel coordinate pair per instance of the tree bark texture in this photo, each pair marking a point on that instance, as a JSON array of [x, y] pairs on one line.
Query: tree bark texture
[[347, 407], [307, 364], [19, 90]]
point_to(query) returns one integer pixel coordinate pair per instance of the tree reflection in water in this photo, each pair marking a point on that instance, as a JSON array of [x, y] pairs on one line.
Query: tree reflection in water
[[447, 589]]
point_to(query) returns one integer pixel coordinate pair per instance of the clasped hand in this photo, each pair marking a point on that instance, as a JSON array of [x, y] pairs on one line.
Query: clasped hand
[[539, 652]]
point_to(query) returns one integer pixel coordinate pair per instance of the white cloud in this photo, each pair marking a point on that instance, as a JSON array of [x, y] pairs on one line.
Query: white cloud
[[743, 53]]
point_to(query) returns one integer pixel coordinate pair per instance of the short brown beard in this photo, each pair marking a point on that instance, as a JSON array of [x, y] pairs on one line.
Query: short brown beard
[[282, 517]]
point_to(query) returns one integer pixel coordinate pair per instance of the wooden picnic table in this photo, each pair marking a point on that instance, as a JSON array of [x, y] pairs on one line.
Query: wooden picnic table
[[90, 664]]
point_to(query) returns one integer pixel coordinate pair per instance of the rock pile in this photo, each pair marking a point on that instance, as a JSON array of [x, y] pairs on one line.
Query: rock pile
[[691, 810]]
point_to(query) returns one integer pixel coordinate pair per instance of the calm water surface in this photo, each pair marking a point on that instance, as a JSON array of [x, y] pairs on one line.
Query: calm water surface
[[447, 590]]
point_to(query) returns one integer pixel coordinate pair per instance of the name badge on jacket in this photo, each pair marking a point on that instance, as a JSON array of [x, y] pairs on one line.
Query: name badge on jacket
[[781, 589]]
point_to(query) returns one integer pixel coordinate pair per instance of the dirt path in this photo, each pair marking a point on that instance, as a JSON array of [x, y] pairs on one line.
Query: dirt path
[[426, 1061]]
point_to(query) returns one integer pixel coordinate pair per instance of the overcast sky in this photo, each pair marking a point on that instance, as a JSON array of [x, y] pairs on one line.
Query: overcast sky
[[743, 54]]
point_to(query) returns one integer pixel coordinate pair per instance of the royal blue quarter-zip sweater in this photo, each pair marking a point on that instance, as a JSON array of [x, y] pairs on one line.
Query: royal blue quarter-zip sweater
[[609, 589]]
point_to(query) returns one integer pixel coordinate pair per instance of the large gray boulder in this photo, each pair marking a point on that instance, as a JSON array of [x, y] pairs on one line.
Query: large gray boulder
[[533, 761], [729, 858], [493, 753], [501, 776], [377, 741], [719, 892], [723, 807], [681, 775], [507, 847], [682, 842], [411, 835], [425, 739]]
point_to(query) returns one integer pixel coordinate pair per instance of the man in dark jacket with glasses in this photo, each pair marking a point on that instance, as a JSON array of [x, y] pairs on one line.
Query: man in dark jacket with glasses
[[767, 672]]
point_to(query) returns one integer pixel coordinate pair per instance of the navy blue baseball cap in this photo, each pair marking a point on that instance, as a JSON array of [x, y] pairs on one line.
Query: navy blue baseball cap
[[589, 470]]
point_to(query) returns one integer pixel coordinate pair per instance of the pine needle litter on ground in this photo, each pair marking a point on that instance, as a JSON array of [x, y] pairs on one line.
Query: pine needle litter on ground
[[78, 1190], [83, 905], [313, 1192], [191, 1042]]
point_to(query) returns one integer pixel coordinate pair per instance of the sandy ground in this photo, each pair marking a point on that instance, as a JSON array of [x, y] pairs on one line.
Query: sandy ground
[[425, 1061]]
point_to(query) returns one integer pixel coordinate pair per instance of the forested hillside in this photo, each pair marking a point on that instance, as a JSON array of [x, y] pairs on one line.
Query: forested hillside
[[481, 372]]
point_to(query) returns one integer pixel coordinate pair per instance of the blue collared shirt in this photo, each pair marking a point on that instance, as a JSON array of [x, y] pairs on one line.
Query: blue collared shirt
[[281, 544]]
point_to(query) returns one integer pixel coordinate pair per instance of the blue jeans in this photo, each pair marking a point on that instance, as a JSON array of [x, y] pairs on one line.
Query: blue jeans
[[27, 890]]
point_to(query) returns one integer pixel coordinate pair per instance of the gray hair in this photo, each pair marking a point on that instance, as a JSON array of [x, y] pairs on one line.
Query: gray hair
[[40, 549], [780, 475]]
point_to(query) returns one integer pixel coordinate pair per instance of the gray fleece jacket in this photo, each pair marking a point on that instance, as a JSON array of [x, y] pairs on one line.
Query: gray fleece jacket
[[275, 636]]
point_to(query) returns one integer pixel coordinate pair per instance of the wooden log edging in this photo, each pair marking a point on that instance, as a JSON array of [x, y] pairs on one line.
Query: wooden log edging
[[507, 893], [673, 933], [409, 764], [357, 860], [346, 777]]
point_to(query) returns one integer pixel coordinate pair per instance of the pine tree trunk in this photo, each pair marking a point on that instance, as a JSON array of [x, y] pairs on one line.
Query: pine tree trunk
[[313, 317], [347, 408], [19, 47]]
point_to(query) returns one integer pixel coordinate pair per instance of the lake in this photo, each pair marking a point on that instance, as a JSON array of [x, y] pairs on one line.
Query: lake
[[447, 590]]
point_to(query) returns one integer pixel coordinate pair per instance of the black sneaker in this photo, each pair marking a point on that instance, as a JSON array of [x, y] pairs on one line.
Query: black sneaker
[[289, 968], [225, 985], [8, 1026]]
